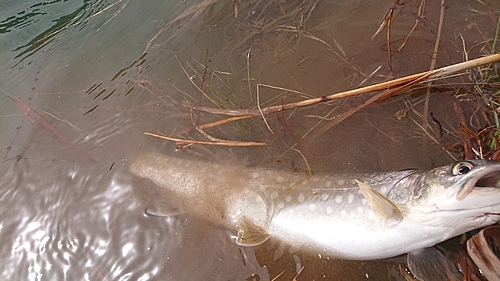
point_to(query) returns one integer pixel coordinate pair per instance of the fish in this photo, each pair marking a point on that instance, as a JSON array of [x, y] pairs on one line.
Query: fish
[[347, 216]]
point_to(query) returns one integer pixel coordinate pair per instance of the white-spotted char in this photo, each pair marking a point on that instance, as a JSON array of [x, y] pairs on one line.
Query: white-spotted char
[[351, 216]]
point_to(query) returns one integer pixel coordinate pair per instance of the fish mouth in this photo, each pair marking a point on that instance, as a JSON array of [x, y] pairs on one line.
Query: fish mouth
[[486, 180], [491, 179]]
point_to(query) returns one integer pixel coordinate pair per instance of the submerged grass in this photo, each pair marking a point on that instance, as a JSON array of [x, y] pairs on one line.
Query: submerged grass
[[237, 92]]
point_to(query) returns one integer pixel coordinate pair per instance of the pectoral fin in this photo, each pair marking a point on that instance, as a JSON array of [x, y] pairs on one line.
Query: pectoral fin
[[250, 234], [431, 264], [382, 206]]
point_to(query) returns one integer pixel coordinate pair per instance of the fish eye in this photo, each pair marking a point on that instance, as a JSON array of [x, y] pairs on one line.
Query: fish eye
[[461, 168]]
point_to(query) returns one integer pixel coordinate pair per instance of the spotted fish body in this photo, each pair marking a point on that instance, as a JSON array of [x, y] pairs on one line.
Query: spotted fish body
[[351, 216]]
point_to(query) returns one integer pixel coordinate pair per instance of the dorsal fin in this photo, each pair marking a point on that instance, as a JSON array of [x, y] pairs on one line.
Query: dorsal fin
[[250, 234], [382, 206]]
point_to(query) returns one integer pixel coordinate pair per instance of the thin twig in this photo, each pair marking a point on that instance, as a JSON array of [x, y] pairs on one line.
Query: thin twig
[[433, 65], [203, 86], [277, 276], [389, 55], [386, 20], [248, 75], [298, 273], [224, 143], [432, 138], [420, 14], [213, 124], [201, 131], [261, 113]]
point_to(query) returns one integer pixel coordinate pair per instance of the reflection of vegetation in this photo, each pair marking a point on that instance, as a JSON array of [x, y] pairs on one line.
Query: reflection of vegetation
[[22, 19], [39, 13]]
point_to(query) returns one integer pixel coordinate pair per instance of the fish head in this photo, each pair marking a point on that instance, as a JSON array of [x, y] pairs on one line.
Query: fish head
[[464, 195]]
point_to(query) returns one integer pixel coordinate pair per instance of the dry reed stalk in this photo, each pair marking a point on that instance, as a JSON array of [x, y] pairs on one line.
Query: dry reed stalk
[[376, 98], [428, 75]]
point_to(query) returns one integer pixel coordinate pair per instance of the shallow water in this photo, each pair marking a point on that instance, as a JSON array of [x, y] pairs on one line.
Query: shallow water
[[105, 72]]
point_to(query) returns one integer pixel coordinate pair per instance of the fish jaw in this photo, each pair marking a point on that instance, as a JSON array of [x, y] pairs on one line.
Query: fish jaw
[[460, 197], [479, 209]]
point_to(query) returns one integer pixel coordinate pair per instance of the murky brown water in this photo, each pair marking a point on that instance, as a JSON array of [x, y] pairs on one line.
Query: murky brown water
[[105, 72]]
